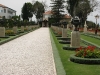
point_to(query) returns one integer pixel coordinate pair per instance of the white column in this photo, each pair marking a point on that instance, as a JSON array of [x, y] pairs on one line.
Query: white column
[[85, 28]]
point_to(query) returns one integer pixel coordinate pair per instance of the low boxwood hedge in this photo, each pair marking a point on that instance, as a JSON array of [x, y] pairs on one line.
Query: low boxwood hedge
[[91, 35], [80, 60], [64, 42]]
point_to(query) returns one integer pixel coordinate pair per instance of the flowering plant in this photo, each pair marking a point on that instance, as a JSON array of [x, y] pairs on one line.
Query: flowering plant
[[87, 52], [9, 32]]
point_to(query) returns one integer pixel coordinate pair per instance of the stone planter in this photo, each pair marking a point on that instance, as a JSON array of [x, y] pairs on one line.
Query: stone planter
[[80, 60]]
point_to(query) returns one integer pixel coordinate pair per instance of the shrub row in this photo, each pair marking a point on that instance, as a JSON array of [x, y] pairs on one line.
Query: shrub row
[[90, 43], [75, 59], [91, 35], [9, 39]]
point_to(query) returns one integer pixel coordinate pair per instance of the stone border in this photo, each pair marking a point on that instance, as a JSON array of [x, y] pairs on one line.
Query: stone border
[[80, 60], [58, 64]]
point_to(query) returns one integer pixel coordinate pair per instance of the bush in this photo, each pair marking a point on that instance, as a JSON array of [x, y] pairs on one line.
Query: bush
[[75, 59], [9, 32]]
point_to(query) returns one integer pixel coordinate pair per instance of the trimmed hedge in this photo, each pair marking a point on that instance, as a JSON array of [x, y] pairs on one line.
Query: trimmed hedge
[[64, 42], [69, 48], [90, 43], [9, 39], [91, 35], [80, 60], [66, 39]]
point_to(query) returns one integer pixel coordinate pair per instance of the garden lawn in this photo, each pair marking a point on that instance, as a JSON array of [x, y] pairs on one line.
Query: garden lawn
[[90, 39], [72, 68]]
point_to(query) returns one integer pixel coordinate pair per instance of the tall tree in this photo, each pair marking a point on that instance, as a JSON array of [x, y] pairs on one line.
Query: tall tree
[[57, 9], [39, 9], [27, 11], [81, 8], [71, 5]]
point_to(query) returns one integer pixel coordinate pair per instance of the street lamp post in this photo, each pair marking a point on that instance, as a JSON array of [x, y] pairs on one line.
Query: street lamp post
[[96, 28]]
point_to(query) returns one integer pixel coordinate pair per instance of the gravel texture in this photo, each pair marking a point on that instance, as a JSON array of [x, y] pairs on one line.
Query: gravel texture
[[30, 54]]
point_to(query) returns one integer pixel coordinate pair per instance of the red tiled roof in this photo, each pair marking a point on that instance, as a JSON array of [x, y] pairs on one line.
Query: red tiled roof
[[67, 16], [48, 12], [3, 6]]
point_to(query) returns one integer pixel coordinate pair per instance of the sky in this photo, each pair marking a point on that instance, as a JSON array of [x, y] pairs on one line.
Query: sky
[[18, 4]]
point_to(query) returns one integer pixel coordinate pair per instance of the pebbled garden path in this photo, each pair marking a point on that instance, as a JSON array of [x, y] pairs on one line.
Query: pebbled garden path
[[30, 54]]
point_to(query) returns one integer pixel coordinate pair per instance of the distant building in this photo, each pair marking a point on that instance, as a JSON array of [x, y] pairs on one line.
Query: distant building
[[6, 12], [48, 14]]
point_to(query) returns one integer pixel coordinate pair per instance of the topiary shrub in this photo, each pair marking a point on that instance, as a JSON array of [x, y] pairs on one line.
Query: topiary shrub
[[80, 60]]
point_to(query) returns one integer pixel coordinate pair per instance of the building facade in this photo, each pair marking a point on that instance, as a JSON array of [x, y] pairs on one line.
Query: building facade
[[6, 12], [48, 15]]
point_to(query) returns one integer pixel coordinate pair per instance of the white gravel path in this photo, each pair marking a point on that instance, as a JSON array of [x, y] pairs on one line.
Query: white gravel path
[[30, 54]]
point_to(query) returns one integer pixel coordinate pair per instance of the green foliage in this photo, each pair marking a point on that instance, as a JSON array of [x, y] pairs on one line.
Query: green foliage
[[75, 59], [38, 9], [91, 24], [27, 11], [9, 32], [74, 68], [58, 8], [71, 6], [81, 8]]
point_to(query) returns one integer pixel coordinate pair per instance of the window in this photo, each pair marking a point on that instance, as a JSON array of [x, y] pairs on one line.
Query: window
[[10, 12], [1, 11], [4, 10]]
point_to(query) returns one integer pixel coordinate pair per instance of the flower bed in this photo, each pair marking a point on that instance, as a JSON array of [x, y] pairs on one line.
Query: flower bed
[[88, 55]]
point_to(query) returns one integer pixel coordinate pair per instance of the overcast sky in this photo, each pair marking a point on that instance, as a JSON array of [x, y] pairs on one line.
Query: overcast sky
[[18, 4]]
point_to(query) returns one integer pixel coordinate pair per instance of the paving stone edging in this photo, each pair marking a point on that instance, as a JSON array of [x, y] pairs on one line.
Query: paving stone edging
[[58, 64]]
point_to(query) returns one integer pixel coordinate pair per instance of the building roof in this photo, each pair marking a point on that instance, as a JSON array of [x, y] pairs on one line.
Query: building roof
[[48, 12], [3, 6], [6, 7], [67, 16]]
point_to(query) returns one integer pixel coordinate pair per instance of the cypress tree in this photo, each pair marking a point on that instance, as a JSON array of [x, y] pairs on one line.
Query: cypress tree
[[57, 9]]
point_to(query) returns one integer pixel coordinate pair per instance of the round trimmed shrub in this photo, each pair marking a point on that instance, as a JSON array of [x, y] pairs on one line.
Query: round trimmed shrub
[[81, 60]]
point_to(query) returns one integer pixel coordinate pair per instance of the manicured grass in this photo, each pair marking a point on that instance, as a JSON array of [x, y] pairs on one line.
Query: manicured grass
[[90, 39], [93, 40], [74, 68]]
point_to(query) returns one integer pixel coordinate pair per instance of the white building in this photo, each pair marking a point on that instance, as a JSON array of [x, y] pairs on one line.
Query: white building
[[6, 12], [48, 14]]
